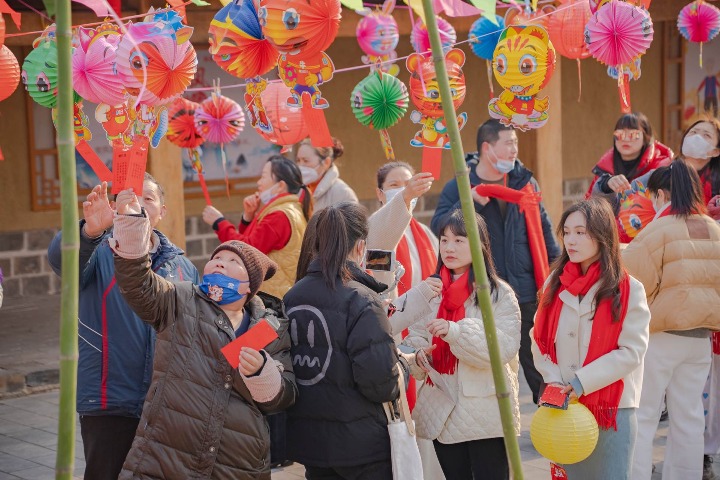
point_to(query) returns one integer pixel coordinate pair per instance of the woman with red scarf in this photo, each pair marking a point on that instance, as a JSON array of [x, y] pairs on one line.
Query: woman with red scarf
[[591, 334], [456, 406], [677, 258]]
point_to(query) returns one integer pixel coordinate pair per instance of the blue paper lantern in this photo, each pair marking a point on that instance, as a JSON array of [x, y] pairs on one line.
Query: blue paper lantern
[[484, 36]]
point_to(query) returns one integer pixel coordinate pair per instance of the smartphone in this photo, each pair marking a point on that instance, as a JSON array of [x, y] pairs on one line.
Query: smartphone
[[380, 260]]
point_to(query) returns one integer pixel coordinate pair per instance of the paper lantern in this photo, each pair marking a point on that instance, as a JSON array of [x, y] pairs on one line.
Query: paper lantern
[[564, 436], [286, 125], [699, 22], [156, 61], [237, 44], [379, 102], [524, 61], [39, 71], [525, 17], [378, 35], [618, 32], [636, 210], [2, 30], [484, 35], [181, 124], [219, 119], [595, 5], [9, 72], [420, 40], [94, 67], [566, 28]]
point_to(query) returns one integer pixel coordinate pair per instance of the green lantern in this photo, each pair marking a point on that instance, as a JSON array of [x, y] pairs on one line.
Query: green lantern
[[39, 71], [379, 102]]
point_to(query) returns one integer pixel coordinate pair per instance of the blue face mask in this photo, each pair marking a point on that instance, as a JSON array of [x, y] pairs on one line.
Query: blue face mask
[[222, 289]]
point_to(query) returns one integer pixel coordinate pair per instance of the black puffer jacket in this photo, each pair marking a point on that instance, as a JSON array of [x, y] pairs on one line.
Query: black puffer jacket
[[344, 360]]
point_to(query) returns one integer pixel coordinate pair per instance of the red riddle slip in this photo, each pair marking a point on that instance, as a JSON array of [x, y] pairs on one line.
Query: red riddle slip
[[257, 337]]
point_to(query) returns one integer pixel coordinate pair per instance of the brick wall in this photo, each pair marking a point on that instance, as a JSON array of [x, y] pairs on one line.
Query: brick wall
[[23, 259]]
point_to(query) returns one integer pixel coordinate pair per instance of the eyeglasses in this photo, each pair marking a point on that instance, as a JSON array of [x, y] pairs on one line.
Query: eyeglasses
[[625, 135]]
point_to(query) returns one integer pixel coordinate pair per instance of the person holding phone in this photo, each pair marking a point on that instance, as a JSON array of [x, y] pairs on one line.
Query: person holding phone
[[677, 257], [591, 334], [203, 418], [456, 407]]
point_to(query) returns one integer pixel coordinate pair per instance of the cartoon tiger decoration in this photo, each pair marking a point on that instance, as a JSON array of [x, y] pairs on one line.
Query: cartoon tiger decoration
[[425, 94], [523, 63]]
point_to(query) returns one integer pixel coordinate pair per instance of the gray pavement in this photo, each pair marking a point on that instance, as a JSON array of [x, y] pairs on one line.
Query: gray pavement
[[29, 351]]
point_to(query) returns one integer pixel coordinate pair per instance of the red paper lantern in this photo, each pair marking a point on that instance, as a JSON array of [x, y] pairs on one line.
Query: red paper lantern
[[9, 73], [2, 30], [567, 29], [288, 123]]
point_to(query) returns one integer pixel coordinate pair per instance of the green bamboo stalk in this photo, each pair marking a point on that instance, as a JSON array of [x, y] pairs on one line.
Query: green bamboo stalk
[[64, 462], [483, 286]]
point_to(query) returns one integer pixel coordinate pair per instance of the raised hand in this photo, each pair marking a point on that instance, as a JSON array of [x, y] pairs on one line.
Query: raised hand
[[250, 205], [97, 211], [438, 327], [127, 203], [210, 215], [417, 186]]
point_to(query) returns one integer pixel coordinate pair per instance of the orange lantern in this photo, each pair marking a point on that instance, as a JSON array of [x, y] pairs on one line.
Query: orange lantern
[[9, 72], [517, 16], [286, 124], [567, 32], [2, 30]]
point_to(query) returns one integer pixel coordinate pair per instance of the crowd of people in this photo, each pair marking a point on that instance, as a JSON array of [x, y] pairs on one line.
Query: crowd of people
[[622, 324]]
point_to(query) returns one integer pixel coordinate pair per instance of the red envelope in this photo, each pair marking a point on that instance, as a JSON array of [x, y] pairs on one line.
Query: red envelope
[[257, 337]]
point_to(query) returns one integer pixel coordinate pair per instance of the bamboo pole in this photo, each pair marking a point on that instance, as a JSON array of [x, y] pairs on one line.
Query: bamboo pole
[[65, 459], [478, 262]]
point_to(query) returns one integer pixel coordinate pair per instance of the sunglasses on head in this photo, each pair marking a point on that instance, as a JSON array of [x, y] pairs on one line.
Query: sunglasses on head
[[624, 135]]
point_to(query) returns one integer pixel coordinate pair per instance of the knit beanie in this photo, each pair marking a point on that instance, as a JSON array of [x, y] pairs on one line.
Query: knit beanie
[[257, 264]]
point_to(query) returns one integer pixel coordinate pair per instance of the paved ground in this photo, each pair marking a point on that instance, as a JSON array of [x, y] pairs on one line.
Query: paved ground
[[29, 399]]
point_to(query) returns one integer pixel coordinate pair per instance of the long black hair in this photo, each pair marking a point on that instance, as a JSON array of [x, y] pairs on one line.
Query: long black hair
[[683, 184], [282, 168], [633, 121], [338, 229], [456, 223], [307, 249]]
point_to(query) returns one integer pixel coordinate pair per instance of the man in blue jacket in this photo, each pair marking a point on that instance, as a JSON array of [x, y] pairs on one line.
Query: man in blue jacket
[[116, 347], [496, 163]]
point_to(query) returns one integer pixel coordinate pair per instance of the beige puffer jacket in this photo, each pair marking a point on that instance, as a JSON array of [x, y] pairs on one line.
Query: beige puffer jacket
[[678, 262]]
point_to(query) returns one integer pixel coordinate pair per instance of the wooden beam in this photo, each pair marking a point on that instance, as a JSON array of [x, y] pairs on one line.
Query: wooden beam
[[165, 164], [548, 165]]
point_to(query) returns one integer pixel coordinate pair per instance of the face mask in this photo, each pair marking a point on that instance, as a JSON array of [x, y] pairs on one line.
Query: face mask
[[695, 146], [390, 194], [267, 195], [309, 174], [222, 289], [502, 166]]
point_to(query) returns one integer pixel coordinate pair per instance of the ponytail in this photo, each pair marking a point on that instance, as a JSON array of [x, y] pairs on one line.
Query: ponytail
[[683, 184], [339, 227], [284, 169]]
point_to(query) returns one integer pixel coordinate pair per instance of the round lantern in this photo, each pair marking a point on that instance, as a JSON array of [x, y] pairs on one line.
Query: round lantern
[[181, 124], [94, 70], [9, 73], [300, 27], [564, 436], [379, 101], [39, 73], [566, 28], [219, 119], [377, 32], [699, 22], [516, 16], [420, 39], [484, 36], [288, 125], [2, 30]]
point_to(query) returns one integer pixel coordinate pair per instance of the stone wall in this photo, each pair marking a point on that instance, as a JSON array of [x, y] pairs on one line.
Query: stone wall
[[23, 259]]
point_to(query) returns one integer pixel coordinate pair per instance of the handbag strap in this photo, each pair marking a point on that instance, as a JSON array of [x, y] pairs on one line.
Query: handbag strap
[[404, 408]]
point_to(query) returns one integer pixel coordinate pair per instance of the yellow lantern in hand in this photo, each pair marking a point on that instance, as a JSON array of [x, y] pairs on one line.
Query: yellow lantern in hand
[[564, 436]]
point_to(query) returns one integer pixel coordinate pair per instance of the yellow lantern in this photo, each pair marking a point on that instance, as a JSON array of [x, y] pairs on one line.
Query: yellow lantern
[[564, 436]]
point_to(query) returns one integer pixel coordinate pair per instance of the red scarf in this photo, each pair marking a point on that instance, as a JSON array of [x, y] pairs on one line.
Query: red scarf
[[428, 259], [604, 337], [528, 201], [452, 308]]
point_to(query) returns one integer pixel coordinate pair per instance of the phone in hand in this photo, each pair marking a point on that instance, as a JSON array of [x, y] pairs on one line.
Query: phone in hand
[[380, 260], [554, 397]]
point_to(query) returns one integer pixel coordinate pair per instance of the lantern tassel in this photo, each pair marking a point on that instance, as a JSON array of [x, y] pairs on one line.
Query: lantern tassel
[[490, 78], [624, 89], [197, 166], [387, 145], [701, 54], [223, 160], [579, 79]]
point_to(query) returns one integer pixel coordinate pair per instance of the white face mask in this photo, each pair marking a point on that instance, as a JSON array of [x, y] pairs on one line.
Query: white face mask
[[266, 196], [390, 194], [309, 174], [502, 166], [695, 146]]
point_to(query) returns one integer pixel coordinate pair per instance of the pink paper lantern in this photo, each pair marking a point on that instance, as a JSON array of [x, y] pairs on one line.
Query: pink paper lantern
[[94, 67], [288, 125], [699, 22], [420, 39], [618, 32], [219, 119]]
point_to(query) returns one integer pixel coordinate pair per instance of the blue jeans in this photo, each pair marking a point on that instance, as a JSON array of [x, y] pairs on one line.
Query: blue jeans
[[612, 457]]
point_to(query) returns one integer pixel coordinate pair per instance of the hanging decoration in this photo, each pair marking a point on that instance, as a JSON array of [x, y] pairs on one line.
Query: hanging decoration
[[380, 101], [182, 132], [636, 209], [301, 31], [617, 35], [516, 15], [699, 22], [219, 120], [425, 94], [39, 70], [420, 40], [237, 43], [378, 35], [283, 125], [564, 436], [2, 30], [524, 61], [566, 28], [94, 68], [483, 38], [156, 60], [595, 5], [9, 72]]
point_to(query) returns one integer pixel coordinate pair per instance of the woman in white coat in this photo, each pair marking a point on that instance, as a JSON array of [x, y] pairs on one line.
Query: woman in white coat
[[458, 408], [321, 175], [591, 334]]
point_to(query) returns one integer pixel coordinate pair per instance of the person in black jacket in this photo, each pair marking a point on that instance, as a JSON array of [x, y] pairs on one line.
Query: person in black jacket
[[343, 354], [496, 162]]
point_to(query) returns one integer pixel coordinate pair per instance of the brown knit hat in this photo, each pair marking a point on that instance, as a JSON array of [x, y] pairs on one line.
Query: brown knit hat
[[257, 264]]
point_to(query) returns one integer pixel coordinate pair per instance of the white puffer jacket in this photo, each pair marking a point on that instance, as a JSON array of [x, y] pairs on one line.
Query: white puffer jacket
[[475, 415]]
